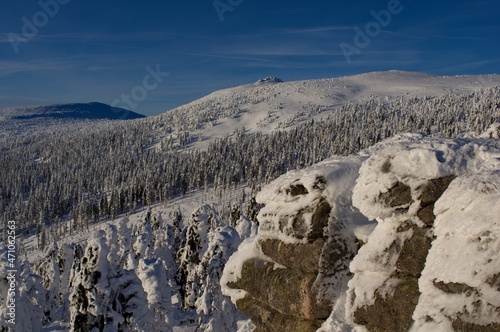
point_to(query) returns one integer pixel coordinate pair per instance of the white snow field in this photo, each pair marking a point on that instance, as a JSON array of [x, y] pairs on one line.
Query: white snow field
[[265, 107]]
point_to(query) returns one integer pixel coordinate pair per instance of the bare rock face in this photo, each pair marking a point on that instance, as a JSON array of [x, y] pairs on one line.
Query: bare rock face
[[431, 262], [280, 293], [398, 196], [268, 319], [284, 290], [430, 193], [298, 257], [393, 311], [301, 245]]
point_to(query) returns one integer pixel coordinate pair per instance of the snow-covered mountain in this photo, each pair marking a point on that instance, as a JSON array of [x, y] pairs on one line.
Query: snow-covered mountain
[[128, 225], [271, 104], [29, 119]]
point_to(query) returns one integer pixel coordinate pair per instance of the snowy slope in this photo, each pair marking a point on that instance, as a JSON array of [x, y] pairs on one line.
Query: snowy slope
[[270, 105]]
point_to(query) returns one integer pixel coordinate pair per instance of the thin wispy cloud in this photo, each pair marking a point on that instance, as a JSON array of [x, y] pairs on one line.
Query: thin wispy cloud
[[229, 57], [118, 37], [287, 51], [471, 65], [312, 30], [8, 67]]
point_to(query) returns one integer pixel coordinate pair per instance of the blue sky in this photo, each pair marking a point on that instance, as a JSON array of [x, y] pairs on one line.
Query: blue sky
[[58, 51]]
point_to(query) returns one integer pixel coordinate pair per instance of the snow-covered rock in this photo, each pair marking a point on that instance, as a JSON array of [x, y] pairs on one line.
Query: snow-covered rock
[[430, 264], [270, 79], [300, 257], [428, 261]]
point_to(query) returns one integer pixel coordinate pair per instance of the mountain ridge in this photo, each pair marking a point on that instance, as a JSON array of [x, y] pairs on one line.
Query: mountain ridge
[[92, 110], [21, 120], [267, 107]]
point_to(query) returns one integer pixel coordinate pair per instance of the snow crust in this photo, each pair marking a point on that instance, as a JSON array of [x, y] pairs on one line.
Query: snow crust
[[413, 159]]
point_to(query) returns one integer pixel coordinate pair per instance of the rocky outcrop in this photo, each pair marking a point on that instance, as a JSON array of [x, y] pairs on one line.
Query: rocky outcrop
[[285, 298], [300, 246], [430, 261], [426, 264]]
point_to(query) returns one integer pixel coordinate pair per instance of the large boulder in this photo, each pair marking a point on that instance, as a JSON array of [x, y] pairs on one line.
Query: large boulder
[[393, 310], [303, 249], [414, 187]]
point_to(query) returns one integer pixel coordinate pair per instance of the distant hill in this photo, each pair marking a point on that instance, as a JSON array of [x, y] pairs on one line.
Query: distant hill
[[69, 111], [27, 119]]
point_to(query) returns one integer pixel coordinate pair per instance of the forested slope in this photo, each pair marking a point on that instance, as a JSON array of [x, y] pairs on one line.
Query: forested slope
[[87, 173]]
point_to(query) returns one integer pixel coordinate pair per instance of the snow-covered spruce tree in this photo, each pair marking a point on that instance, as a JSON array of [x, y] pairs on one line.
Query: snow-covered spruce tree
[[30, 300], [144, 243], [235, 213], [246, 228], [216, 312], [125, 245], [191, 252], [153, 276], [90, 286], [253, 209], [113, 241], [108, 297], [166, 246], [54, 269], [127, 307]]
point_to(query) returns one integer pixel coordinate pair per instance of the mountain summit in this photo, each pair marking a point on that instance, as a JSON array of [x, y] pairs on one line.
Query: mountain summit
[[270, 79], [266, 106]]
